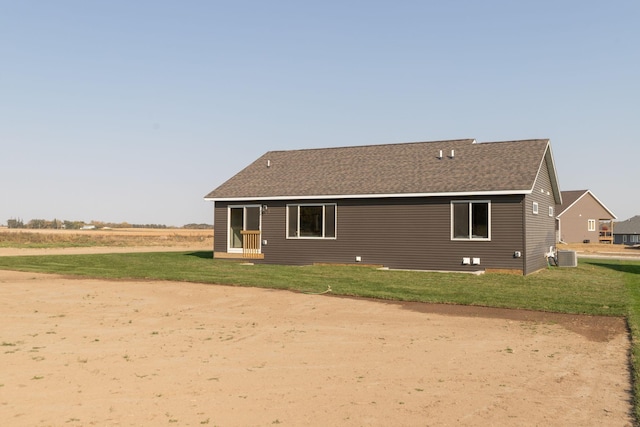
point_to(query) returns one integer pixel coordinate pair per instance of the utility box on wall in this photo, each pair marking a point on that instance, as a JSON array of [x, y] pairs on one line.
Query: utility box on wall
[[567, 259]]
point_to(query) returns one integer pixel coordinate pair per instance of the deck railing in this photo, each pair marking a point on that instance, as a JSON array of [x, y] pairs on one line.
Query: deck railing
[[606, 237], [251, 244]]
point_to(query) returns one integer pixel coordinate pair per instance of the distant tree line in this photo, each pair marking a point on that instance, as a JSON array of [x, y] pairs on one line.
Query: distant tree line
[[198, 226], [36, 224]]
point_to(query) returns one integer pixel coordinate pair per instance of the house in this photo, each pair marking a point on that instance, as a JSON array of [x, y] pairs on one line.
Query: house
[[627, 232], [582, 218], [452, 205]]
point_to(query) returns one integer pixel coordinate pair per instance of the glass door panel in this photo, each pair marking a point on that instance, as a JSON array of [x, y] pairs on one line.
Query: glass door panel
[[236, 220], [252, 218]]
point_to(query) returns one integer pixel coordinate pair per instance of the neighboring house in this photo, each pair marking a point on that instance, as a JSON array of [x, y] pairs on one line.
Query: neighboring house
[[627, 232], [582, 218], [445, 205]]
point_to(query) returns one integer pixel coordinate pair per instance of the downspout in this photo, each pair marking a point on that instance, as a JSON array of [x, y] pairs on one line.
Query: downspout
[[524, 236]]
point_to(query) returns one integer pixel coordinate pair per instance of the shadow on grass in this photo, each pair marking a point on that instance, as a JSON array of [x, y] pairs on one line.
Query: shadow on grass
[[201, 254], [623, 267]]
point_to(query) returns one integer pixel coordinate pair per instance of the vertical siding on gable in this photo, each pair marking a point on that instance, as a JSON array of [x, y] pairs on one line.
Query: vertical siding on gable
[[540, 228]]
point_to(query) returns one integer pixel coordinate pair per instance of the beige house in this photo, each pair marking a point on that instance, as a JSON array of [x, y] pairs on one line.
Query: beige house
[[582, 218]]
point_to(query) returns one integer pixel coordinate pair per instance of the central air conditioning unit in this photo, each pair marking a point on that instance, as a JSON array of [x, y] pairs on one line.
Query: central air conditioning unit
[[567, 259]]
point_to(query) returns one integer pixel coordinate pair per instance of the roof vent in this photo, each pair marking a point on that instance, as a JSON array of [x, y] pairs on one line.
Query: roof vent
[[268, 163], [453, 152], [440, 155]]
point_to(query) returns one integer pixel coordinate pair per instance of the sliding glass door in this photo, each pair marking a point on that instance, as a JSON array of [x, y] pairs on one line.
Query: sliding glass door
[[242, 218]]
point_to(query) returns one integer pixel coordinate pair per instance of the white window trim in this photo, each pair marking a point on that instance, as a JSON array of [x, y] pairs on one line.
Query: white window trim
[[550, 210], [471, 238], [591, 225], [286, 231], [230, 249], [535, 208]]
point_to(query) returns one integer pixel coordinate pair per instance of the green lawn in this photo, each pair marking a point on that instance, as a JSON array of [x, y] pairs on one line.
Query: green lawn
[[596, 287]]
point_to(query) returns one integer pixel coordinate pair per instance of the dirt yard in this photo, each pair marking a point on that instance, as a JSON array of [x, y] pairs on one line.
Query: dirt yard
[[78, 352]]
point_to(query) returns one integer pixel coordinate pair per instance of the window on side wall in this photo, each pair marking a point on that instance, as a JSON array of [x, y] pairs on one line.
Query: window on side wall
[[550, 210], [311, 221], [535, 208], [470, 220], [591, 225]]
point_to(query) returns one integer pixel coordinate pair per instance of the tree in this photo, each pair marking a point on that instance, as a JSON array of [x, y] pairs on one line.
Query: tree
[[15, 223]]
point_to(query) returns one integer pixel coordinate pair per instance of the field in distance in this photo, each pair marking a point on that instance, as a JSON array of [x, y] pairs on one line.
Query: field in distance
[[123, 237]]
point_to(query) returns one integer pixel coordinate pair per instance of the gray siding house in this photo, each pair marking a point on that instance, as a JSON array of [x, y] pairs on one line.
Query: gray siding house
[[584, 218], [446, 205], [627, 232]]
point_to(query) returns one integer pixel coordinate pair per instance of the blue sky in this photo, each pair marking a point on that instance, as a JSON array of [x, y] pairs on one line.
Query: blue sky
[[134, 110]]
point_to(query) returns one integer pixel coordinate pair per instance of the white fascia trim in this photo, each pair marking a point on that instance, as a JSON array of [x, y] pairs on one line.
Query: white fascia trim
[[576, 201], [594, 197], [555, 186], [601, 204], [372, 196]]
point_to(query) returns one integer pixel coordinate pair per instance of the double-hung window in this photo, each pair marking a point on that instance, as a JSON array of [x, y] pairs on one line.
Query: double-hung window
[[470, 220], [311, 221], [591, 225]]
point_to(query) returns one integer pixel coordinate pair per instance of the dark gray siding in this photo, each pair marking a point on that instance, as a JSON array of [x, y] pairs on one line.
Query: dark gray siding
[[626, 239], [540, 228], [220, 227], [403, 233]]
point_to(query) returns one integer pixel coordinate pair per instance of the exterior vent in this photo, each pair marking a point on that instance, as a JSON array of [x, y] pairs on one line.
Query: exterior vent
[[567, 259]]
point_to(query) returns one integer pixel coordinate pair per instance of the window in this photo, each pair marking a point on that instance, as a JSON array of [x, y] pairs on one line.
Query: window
[[311, 221], [624, 238], [535, 208], [591, 225], [550, 210], [471, 220]]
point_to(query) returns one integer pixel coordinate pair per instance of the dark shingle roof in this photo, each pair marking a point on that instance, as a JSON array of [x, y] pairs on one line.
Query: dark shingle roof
[[630, 226], [391, 169]]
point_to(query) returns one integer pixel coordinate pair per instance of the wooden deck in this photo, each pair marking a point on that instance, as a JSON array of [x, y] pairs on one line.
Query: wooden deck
[[250, 247]]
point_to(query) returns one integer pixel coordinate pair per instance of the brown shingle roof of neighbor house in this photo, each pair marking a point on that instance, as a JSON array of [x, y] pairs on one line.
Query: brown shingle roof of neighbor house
[[466, 167], [569, 198]]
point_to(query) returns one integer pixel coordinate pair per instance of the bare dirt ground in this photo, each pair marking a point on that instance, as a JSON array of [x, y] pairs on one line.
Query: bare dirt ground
[[79, 352], [602, 249]]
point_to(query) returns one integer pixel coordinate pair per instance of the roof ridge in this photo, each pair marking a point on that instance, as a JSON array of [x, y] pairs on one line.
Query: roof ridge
[[515, 140], [374, 145]]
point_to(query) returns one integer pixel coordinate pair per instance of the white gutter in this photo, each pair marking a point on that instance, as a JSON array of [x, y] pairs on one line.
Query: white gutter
[[371, 196]]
